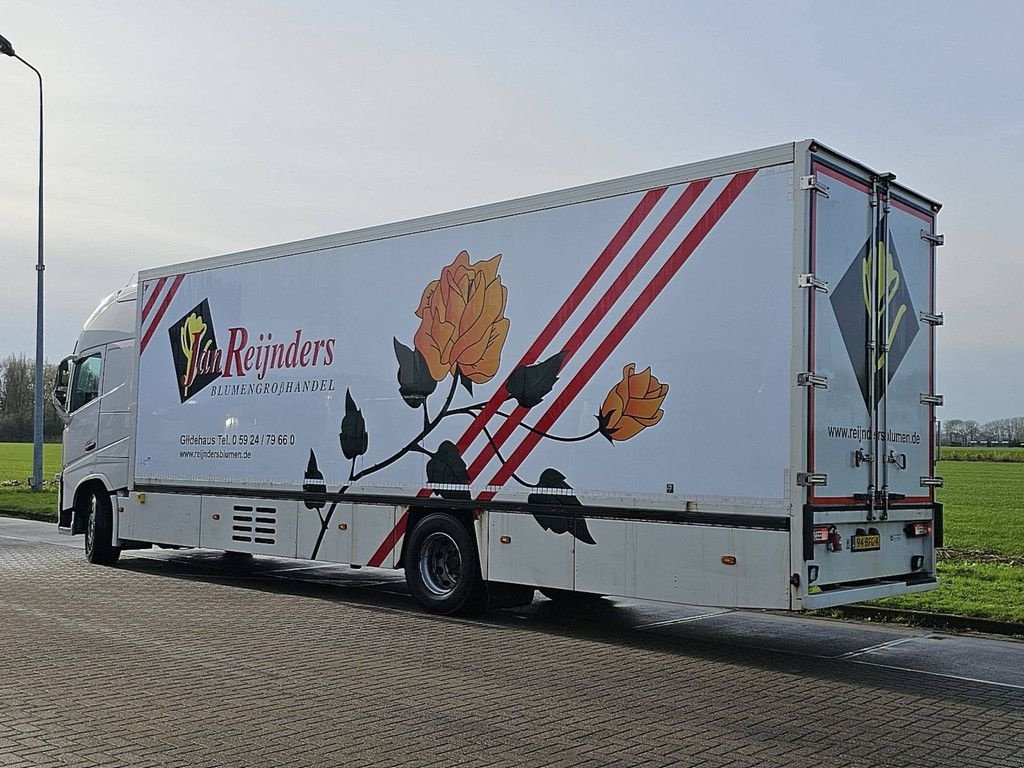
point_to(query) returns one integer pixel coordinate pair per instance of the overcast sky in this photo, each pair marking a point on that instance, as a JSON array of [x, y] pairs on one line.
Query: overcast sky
[[178, 130]]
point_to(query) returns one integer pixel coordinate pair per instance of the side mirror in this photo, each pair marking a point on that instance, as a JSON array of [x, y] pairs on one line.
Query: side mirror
[[60, 388]]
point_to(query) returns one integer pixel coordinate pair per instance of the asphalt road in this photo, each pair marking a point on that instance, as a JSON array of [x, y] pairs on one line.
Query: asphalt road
[[183, 658]]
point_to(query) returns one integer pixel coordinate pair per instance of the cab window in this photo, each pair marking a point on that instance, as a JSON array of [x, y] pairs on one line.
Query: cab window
[[86, 386]]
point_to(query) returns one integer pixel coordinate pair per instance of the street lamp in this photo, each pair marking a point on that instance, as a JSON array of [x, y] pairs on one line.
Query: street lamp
[[37, 423]]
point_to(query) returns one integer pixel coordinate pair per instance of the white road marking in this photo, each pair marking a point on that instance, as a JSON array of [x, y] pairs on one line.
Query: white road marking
[[683, 620], [876, 647], [305, 568], [946, 675]]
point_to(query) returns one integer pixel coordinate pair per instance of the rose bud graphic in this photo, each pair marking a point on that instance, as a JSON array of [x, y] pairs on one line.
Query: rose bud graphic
[[314, 485], [632, 405]]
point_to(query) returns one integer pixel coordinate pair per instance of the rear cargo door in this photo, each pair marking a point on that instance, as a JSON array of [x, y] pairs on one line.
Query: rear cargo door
[[870, 350], [905, 445]]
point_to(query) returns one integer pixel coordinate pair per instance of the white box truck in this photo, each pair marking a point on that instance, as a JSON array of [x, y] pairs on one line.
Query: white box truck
[[711, 384]]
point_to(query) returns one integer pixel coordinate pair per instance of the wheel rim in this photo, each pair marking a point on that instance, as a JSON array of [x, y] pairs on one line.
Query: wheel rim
[[440, 564], [90, 526]]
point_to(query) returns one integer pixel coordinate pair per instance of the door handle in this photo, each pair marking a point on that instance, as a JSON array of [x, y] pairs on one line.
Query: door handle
[[90, 446]]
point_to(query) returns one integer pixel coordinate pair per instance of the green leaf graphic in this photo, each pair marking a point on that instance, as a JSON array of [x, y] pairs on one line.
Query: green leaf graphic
[[564, 523], [314, 484], [447, 467], [415, 384], [353, 436], [529, 384]]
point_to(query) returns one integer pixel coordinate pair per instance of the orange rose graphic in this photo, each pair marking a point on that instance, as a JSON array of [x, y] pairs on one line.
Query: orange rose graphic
[[463, 323], [632, 405]]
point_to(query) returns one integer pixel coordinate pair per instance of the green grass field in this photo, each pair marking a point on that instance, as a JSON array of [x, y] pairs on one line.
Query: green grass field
[[986, 590], [15, 470], [981, 453], [984, 513], [984, 506]]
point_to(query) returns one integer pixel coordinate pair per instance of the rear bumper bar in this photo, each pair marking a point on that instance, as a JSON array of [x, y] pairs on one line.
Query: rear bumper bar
[[845, 595]]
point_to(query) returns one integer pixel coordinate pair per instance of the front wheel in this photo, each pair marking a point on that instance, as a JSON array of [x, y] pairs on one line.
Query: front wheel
[[442, 568], [99, 527]]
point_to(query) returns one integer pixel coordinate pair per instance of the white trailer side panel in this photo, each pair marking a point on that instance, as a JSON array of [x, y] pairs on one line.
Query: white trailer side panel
[[692, 281]]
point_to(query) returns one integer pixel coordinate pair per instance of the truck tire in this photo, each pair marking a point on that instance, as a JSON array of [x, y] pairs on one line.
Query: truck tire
[[99, 527], [442, 568]]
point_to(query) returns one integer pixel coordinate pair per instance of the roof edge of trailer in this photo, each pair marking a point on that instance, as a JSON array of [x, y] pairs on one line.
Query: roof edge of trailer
[[779, 154], [817, 147]]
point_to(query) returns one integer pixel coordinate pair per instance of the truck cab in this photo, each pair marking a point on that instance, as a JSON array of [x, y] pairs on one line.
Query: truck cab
[[93, 396]]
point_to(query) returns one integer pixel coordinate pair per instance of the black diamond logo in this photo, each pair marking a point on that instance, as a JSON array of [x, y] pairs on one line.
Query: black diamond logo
[[194, 350], [851, 303]]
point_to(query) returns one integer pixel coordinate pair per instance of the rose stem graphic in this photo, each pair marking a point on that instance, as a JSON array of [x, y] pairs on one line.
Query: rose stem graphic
[[470, 410], [412, 445], [490, 439]]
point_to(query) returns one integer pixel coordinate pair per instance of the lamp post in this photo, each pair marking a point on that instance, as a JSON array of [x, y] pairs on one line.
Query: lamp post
[[37, 422]]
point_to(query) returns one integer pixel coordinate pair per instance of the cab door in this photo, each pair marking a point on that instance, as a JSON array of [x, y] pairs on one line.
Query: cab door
[[83, 416]]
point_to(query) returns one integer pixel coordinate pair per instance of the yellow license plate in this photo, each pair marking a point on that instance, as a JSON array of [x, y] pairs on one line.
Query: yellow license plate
[[865, 543]]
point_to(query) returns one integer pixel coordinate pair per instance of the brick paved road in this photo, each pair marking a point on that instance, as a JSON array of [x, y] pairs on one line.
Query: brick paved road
[[168, 660]]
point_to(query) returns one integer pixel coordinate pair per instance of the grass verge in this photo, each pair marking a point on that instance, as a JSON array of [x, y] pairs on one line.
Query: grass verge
[[985, 590], [15, 470]]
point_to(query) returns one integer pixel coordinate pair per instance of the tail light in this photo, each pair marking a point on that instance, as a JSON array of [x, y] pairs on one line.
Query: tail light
[[829, 536], [918, 529]]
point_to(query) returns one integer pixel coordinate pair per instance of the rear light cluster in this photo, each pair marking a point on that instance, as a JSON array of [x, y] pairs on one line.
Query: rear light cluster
[[829, 536], [915, 530]]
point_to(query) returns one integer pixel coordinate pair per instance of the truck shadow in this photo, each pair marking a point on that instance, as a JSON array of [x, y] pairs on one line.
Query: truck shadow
[[817, 648]]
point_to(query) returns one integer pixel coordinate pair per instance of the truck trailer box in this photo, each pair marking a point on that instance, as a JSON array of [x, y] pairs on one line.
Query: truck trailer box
[[711, 384]]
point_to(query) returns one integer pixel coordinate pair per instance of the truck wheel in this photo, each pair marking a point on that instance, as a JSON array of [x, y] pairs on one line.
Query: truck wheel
[[442, 568], [98, 530]]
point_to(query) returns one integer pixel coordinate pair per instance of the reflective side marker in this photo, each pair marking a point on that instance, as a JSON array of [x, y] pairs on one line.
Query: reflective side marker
[[728, 560], [505, 539]]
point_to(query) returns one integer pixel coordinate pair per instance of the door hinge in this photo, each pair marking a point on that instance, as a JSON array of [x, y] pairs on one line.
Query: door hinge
[[931, 482], [931, 399], [808, 478], [811, 182], [808, 280], [931, 239], [930, 319], [808, 379]]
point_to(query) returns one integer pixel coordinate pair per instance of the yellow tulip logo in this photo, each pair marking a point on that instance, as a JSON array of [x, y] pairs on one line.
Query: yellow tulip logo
[[193, 343]]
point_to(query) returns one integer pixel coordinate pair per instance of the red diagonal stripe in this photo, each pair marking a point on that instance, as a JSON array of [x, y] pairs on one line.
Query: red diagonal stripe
[[555, 324], [152, 298], [700, 230], [160, 312], [572, 302], [389, 543], [604, 305]]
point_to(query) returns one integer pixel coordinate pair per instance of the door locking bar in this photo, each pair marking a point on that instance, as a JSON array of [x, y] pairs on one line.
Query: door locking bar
[[859, 457], [899, 459]]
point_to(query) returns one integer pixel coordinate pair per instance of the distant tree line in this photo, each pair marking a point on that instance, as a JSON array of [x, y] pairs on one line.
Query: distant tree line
[[970, 432], [17, 400]]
